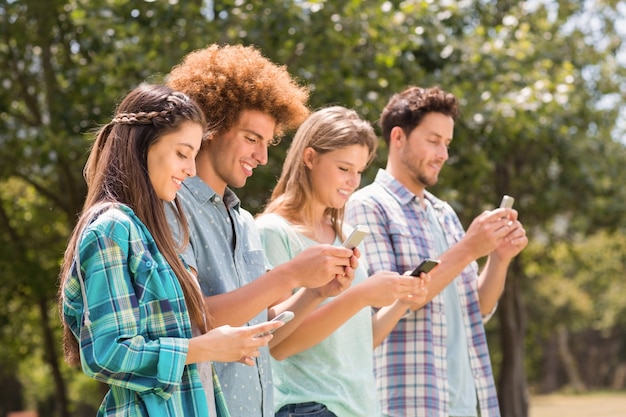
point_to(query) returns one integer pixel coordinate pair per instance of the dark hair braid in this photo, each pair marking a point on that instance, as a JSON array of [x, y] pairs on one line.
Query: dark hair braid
[[116, 172], [176, 102]]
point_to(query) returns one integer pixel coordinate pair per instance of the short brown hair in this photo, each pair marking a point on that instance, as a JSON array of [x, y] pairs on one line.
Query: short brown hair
[[407, 108], [226, 80]]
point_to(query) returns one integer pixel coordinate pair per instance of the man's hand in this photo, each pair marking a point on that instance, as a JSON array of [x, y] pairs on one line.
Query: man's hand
[[488, 231], [514, 241]]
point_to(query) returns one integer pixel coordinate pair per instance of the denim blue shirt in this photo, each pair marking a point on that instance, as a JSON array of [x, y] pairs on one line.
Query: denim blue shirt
[[225, 250]]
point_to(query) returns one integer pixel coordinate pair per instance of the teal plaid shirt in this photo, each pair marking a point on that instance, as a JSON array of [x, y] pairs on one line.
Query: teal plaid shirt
[[137, 341]]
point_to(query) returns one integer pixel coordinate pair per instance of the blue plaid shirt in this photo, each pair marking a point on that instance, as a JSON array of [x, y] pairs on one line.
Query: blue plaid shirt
[[137, 341], [410, 364]]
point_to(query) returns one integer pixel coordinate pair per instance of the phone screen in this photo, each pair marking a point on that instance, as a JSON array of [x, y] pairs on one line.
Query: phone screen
[[426, 266]]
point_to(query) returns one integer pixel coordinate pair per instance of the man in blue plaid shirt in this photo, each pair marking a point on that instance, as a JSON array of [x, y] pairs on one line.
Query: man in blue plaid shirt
[[435, 362]]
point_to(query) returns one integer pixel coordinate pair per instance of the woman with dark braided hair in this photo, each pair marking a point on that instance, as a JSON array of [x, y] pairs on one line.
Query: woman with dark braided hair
[[133, 315]]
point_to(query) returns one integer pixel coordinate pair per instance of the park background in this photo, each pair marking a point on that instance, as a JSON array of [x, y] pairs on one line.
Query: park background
[[542, 86]]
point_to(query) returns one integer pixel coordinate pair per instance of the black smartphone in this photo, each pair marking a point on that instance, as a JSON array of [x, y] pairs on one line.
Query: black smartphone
[[426, 266]]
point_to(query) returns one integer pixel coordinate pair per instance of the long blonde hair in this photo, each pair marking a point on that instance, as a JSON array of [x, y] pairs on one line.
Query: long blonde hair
[[117, 173], [325, 130]]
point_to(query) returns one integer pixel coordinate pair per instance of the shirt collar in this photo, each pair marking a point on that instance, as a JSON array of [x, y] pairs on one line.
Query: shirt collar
[[398, 191], [203, 193]]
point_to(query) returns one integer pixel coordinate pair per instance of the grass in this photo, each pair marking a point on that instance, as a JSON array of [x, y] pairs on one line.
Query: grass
[[600, 404]]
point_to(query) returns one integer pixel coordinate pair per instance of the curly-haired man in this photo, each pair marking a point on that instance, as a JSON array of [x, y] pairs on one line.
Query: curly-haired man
[[249, 102]]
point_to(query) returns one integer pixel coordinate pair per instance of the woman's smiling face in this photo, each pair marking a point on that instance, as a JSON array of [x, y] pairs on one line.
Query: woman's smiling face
[[171, 159], [335, 175]]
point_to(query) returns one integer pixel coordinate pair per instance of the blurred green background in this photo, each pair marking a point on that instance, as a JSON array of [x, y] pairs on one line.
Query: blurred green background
[[543, 92]]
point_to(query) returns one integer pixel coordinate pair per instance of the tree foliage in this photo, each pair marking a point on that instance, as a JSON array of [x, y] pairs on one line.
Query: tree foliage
[[541, 85]]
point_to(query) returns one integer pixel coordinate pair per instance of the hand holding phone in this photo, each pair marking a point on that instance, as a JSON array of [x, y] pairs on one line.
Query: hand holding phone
[[285, 316], [355, 237], [507, 202], [426, 266]]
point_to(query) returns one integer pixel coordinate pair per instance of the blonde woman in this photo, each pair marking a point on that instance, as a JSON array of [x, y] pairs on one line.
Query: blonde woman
[[322, 359]]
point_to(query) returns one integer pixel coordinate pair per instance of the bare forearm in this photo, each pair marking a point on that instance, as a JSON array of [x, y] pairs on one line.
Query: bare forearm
[[200, 351], [319, 324], [491, 283], [386, 319], [453, 262], [241, 305], [302, 303]]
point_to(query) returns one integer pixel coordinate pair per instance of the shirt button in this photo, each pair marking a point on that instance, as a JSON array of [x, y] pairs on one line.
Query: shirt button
[[217, 199], [149, 264]]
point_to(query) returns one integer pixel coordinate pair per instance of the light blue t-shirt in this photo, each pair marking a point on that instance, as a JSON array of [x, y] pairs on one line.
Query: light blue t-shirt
[[461, 389], [225, 249], [337, 372]]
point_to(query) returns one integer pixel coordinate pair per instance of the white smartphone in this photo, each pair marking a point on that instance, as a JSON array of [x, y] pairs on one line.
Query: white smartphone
[[285, 316], [355, 237], [507, 201]]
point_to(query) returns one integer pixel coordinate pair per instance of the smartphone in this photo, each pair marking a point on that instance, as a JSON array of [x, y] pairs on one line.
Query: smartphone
[[507, 201], [285, 316], [355, 237], [426, 266]]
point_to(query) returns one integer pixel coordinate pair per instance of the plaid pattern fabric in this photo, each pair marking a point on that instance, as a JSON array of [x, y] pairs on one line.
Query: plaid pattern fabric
[[410, 364], [137, 341], [220, 401]]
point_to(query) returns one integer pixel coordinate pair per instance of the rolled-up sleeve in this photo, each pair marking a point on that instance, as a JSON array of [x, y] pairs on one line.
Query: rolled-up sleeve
[[129, 295]]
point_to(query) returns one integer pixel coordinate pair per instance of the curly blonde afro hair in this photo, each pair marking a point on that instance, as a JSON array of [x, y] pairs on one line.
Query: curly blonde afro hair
[[226, 80]]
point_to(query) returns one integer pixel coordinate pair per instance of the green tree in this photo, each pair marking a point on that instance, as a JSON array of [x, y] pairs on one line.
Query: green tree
[[64, 65], [579, 302], [540, 95]]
